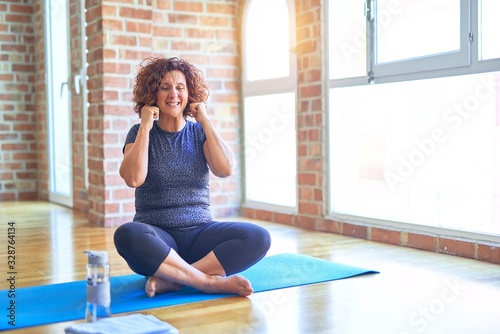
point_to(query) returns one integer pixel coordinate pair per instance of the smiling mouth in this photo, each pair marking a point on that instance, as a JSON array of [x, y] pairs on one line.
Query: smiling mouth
[[173, 104]]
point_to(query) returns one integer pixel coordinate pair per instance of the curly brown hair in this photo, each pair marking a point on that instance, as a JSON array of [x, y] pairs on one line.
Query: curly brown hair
[[149, 77]]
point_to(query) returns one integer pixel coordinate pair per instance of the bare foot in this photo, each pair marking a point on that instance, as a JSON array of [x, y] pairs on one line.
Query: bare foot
[[232, 284], [156, 285]]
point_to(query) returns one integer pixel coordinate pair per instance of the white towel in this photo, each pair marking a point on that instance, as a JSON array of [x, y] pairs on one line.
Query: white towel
[[130, 324]]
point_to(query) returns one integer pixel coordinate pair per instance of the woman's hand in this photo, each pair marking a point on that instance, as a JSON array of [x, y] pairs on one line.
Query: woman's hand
[[198, 110], [148, 115]]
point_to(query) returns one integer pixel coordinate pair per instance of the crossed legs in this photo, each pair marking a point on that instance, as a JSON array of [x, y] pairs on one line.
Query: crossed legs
[[206, 275], [215, 251]]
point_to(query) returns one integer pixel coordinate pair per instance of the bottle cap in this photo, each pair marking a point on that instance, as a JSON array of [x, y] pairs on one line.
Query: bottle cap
[[97, 257]]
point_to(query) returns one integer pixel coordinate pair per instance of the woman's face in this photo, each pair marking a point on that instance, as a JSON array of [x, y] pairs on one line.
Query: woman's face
[[172, 96]]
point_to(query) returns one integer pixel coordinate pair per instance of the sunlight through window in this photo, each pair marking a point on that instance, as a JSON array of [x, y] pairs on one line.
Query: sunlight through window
[[268, 47], [269, 85], [398, 37], [490, 26], [421, 152]]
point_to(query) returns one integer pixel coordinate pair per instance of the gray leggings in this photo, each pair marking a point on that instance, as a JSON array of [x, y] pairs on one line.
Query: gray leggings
[[237, 245]]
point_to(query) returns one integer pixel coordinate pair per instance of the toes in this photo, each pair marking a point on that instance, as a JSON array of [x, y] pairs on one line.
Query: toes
[[151, 287], [247, 291]]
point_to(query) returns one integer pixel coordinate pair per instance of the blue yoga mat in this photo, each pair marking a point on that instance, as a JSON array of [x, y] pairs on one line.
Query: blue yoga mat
[[40, 305]]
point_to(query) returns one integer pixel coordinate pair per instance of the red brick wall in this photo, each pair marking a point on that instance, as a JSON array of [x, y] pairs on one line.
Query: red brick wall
[[310, 112], [120, 35], [18, 141]]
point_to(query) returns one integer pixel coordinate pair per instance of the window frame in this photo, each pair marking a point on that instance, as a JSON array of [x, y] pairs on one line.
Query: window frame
[[431, 62], [275, 85], [253, 88], [57, 195], [475, 65], [466, 61], [393, 73]]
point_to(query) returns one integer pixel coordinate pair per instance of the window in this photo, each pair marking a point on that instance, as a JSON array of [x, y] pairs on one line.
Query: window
[[415, 139], [58, 102], [415, 36], [347, 54], [267, 29], [269, 104], [489, 48], [416, 151]]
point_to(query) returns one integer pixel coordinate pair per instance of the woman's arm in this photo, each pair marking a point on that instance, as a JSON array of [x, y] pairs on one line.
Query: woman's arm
[[219, 156], [134, 167]]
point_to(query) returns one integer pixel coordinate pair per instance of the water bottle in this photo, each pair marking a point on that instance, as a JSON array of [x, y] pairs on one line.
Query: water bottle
[[98, 287]]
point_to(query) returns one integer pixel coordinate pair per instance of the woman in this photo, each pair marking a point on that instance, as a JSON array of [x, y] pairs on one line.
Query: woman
[[167, 158]]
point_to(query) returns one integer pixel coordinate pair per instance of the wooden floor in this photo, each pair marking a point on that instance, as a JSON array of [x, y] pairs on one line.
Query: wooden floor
[[415, 292]]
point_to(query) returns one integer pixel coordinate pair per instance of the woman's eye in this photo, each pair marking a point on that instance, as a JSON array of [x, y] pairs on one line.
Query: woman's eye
[[168, 88]]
